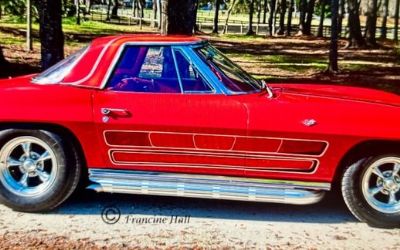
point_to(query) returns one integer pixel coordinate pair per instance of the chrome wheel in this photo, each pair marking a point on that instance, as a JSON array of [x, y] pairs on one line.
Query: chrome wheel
[[381, 185], [28, 166]]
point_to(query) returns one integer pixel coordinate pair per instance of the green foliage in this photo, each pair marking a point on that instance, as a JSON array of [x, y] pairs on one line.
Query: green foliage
[[14, 7]]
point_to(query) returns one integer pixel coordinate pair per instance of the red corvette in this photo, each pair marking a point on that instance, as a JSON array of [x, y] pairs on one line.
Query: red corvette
[[173, 116]]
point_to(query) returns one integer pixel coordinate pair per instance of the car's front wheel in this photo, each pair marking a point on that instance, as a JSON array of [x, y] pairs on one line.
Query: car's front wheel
[[371, 190], [38, 169]]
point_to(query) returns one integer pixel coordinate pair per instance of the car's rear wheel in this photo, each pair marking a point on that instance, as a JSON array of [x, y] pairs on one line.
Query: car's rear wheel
[[38, 169], [371, 190]]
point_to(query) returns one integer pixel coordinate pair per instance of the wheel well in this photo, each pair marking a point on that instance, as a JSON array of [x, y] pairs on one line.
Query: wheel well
[[359, 151], [61, 131]]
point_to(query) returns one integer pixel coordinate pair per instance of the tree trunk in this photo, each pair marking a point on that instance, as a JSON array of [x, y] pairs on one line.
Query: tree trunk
[[396, 20], [303, 12], [384, 19], [370, 32], [322, 18], [356, 39], [281, 29], [333, 52], [154, 18], [251, 13], [310, 13], [340, 17], [216, 16], [114, 12], [108, 10], [51, 34], [258, 11], [159, 13], [272, 4], [177, 16], [289, 20], [196, 7], [3, 61], [29, 43], [78, 12], [265, 11], [228, 14]]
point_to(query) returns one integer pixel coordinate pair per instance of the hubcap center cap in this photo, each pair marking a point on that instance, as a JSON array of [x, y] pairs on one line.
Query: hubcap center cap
[[29, 165], [390, 185]]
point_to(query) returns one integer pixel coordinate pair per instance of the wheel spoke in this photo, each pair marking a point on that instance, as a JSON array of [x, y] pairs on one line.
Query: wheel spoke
[[392, 198], [24, 180], [43, 176], [375, 190], [378, 172], [45, 156], [11, 162], [26, 146], [396, 169]]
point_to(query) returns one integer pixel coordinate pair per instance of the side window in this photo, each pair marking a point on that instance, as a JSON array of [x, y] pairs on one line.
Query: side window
[[148, 69], [192, 80]]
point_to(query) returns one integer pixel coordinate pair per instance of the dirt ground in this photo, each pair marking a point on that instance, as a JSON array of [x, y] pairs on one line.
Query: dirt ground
[[209, 224]]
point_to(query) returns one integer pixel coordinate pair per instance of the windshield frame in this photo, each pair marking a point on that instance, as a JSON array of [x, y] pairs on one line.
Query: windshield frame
[[258, 87], [44, 78]]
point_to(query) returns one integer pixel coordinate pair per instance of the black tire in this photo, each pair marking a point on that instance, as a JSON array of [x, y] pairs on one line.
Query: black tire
[[352, 192], [65, 180]]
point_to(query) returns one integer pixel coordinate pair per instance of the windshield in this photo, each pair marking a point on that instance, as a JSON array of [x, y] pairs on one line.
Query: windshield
[[58, 72], [230, 74]]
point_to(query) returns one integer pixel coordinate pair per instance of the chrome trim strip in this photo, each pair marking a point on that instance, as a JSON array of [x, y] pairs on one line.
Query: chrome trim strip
[[207, 186]]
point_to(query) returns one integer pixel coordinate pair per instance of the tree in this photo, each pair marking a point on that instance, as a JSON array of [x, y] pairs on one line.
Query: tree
[[29, 43], [356, 39], [264, 11], [281, 29], [310, 13], [333, 51], [51, 34], [340, 16], [272, 6], [216, 16], [289, 20], [396, 21], [303, 13], [370, 32], [322, 18], [177, 16], [384, 18], [251, 13], [78, 12], [154, 18], [228, 14], [3, 61], [114, 11]]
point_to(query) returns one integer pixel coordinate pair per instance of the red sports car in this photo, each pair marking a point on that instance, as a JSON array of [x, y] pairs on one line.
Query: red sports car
[[169, 115]]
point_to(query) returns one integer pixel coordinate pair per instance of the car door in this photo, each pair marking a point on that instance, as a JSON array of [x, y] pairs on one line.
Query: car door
[[158, 112]]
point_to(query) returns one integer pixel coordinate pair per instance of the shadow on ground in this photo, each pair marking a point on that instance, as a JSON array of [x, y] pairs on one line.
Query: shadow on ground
[[330, 210]]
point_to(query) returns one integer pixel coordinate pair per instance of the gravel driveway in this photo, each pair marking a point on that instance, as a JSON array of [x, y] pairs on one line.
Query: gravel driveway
[[145, 221]]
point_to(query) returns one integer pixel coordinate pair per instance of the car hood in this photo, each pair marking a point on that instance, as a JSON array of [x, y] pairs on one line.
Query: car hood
[[340, 92]]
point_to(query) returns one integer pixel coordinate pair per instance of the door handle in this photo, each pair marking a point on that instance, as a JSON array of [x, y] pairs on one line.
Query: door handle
[[115, 112]]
